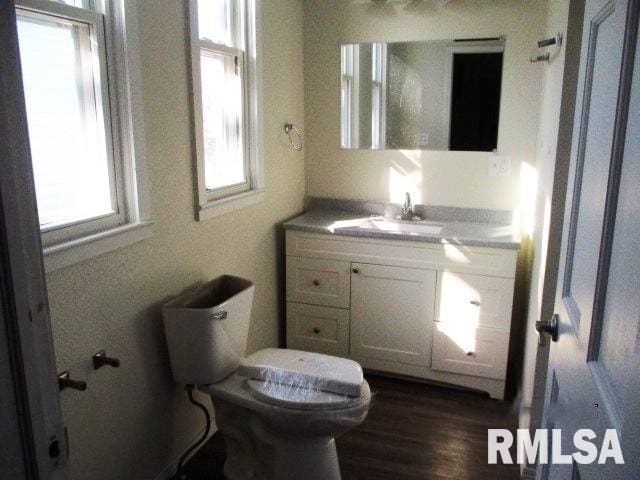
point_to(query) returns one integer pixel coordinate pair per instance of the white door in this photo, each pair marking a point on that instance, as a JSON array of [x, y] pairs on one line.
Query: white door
[[392, 314], [32, 434], [594, 368]]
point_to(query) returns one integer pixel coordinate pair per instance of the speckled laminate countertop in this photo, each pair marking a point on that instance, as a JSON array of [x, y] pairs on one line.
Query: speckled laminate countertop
[[458, 232]]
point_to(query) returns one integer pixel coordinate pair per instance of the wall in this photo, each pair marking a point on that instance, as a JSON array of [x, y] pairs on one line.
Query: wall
[[443, 178], [133, 421]]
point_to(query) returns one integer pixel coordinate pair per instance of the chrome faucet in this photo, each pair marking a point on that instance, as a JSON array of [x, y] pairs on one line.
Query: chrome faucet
[[407, 210]]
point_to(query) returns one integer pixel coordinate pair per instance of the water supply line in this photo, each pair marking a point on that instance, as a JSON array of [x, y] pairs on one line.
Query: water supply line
[[180, 474]]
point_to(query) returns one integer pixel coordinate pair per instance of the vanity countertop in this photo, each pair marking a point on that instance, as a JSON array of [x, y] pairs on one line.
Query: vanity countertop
[[460, 230]]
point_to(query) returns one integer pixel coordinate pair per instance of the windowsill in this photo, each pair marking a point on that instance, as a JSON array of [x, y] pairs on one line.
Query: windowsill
[[221, 206], [81, 249]]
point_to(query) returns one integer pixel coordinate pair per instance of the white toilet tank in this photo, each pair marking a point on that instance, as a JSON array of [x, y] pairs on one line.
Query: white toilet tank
[[207, 329]]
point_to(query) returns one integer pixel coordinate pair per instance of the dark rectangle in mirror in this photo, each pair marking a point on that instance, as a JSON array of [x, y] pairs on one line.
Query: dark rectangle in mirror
[[475, 101]]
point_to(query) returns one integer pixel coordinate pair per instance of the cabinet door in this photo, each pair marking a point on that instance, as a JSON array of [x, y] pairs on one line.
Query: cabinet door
[[392, 313]]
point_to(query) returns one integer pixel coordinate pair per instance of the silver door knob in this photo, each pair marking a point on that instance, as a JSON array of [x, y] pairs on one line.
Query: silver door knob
[[356, 270], [549, 326]]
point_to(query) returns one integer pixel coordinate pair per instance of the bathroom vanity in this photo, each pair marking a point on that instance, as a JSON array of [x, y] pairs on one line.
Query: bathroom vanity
[[435, 306]]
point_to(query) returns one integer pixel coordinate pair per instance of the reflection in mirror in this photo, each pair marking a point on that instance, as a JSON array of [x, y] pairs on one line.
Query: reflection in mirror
[[436, 95]]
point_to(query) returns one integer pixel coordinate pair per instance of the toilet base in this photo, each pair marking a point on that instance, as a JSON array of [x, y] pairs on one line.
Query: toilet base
[[257, 452], [312, 458]]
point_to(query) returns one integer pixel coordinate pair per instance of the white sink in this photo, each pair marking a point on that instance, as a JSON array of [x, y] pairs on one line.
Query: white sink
[[401, 226]]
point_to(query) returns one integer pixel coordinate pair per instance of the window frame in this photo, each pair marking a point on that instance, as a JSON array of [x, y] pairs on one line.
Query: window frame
[[245, 18], [378, 95], [120, 80], [349, 95]]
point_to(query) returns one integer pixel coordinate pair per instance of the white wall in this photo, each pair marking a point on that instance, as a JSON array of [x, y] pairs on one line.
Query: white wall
[[441, 178], [132, 421]]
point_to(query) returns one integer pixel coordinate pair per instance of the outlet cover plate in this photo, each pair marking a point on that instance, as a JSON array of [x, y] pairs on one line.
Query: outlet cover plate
[[499, 166]]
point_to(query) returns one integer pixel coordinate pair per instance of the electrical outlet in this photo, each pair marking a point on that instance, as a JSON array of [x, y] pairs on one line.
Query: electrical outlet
[[424, 139], [499, 166]]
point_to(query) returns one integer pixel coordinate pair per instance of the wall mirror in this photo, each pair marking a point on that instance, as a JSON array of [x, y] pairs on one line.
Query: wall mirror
[[433, 95]]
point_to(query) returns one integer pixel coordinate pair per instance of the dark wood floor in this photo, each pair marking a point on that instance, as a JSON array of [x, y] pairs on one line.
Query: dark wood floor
[[413, 431]]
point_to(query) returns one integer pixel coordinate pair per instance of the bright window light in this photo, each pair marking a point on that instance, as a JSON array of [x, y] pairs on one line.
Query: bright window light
[[214, 21], [222, 120], [73, 175]]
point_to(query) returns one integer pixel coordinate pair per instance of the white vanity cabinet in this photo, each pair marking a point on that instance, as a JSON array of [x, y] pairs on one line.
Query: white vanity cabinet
[[433, 311]]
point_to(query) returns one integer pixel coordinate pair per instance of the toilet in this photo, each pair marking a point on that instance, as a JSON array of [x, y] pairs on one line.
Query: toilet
[[278, 410]]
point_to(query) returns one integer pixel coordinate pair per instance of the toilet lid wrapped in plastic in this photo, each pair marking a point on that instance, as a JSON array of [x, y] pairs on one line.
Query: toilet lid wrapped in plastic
[[293, 376]]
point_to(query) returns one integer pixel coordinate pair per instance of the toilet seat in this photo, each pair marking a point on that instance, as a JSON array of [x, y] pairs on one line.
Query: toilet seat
[[307, 370], [297, 397]]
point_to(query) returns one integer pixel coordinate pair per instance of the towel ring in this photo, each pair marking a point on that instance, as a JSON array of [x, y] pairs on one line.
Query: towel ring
[[288, 128]]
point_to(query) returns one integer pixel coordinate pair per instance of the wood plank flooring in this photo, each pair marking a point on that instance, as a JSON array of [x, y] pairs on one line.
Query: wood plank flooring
[[413, 431]]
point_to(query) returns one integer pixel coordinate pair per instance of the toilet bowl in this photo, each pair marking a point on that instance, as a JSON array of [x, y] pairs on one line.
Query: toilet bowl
[[278, 410]]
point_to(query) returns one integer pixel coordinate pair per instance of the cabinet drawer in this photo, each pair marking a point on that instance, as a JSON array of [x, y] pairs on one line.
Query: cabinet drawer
[[479, 352], [474, 300], [317, 329], [319, 282]]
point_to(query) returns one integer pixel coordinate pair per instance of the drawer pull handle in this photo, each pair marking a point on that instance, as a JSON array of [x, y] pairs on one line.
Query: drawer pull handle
[[471, 354], [356, 270], [316, 330], [475, 303], [316, 283]]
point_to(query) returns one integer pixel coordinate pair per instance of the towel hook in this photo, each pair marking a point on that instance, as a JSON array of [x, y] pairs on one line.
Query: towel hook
[[288, 128], [547, 42]]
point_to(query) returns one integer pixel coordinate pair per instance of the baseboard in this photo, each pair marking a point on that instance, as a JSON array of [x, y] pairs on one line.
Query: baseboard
[[528, 473], [170, 469]]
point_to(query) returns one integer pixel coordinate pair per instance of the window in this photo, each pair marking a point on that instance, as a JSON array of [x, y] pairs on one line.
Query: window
[[75, 85], [349, 95], [378, 95], [225, 95]]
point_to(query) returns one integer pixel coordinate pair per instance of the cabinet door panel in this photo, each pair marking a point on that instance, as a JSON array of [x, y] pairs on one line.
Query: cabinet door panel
[[392, 313], [474, 300]]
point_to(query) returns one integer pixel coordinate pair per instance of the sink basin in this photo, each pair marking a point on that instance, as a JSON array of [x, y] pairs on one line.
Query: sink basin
[[401, 226]]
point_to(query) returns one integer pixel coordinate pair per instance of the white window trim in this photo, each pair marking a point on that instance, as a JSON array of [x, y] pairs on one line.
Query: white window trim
[[350, 90], [379, 96], [127, 113], [212, 205]]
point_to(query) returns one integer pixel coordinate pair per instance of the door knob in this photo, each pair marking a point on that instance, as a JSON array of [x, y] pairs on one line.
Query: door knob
[[549, 326], [356, 270]]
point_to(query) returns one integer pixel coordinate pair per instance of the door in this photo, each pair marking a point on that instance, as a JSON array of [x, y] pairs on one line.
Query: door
[[32, 435], [594, 367], [392, 314]]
